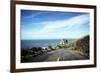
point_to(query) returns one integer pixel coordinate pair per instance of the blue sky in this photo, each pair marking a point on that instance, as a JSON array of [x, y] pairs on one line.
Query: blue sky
[[53, 25]]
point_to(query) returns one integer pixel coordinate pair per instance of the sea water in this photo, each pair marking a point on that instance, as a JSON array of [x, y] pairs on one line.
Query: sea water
[[28, 44]]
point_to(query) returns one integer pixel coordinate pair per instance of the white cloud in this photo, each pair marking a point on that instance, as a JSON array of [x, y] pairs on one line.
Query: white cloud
[[52, 26]]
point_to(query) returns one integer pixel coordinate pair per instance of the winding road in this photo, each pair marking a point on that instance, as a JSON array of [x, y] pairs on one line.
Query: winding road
[[59, 55]]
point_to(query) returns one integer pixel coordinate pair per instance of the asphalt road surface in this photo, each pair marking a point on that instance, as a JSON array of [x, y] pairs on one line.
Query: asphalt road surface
[[59, 55]]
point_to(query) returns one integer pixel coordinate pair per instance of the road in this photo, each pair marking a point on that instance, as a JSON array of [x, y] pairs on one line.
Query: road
[[59, 55]]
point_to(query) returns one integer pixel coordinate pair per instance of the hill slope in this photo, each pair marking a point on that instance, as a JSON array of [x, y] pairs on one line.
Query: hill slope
[[81, 45]]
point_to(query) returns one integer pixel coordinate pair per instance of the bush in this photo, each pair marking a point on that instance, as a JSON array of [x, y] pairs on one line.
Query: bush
[[24, 52]]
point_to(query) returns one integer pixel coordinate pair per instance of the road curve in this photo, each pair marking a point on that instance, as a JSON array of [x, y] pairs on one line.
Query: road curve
[[59, 55]]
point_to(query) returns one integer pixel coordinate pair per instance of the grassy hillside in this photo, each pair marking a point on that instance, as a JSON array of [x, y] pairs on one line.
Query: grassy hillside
[[81, 45]]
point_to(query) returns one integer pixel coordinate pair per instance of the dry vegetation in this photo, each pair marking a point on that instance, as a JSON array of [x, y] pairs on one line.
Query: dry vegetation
[[81, 45]]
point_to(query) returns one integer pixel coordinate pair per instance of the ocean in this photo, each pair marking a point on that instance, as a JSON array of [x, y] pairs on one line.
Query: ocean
[[28, 44]]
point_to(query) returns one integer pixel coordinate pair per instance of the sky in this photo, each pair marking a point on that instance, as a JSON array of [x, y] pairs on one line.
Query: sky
[[37, 24]]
